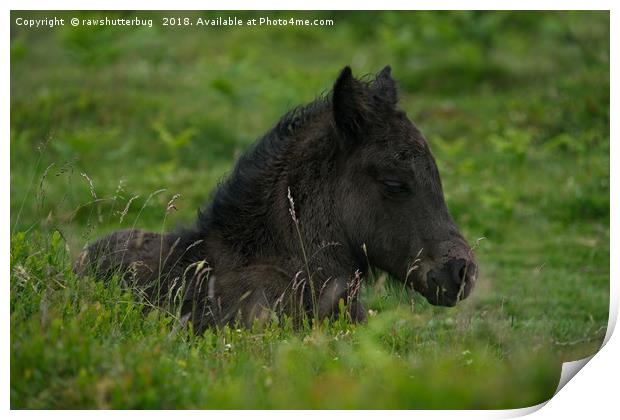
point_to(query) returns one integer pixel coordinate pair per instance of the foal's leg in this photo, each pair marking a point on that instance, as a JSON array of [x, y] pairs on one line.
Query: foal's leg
[[254, 293], [251, 294], [331, 292], [132, 254]]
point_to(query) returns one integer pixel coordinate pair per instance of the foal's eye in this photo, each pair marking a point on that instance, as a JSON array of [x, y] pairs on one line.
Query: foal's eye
[[393, 186]]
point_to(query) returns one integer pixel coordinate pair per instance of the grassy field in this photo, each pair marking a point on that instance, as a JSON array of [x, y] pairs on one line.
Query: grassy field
[[109, 123]]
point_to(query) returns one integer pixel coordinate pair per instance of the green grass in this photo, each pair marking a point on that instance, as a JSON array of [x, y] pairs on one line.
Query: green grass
[[515, 107]]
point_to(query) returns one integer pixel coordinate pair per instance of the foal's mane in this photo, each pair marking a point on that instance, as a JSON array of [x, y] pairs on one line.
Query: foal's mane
[[239, 200]]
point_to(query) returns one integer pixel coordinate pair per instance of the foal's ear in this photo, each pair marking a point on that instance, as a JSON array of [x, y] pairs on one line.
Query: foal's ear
[[350, 106], [385, 86]]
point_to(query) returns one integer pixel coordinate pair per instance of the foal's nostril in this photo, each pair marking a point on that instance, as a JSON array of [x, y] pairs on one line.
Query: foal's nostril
[[465, 271], [451, 282]]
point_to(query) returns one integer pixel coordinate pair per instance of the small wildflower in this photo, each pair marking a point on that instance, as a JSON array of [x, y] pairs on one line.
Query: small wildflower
[[171, 205], [90, 185], [126, 209]]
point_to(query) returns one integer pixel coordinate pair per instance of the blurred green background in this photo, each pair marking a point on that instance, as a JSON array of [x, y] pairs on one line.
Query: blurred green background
[[515, 106]]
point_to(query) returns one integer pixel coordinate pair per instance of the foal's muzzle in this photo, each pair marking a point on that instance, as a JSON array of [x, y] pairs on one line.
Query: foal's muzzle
[[451, 282]]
